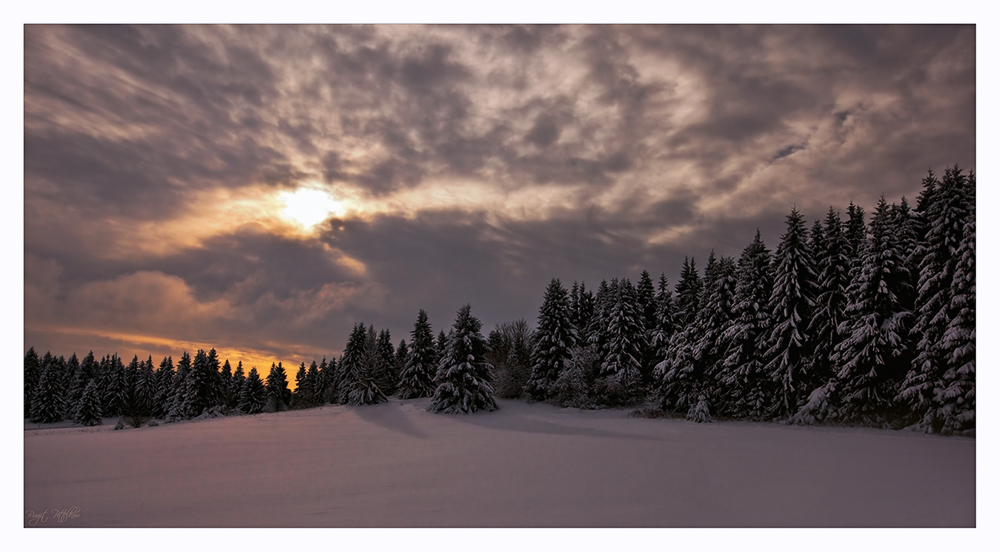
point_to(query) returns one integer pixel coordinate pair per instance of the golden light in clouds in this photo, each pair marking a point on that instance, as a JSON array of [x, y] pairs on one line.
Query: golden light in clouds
[[309, 206]]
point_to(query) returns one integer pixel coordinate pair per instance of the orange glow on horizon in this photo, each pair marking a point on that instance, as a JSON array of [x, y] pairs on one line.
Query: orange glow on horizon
[[174, 348]]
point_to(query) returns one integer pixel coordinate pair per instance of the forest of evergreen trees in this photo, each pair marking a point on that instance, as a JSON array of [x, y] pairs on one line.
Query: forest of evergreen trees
[[846, 322]]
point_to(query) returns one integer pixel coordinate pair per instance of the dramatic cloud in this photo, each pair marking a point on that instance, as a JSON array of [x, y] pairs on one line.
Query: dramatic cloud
[[260, 189]]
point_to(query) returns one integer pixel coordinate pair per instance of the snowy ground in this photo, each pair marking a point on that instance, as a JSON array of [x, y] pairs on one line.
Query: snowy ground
[[396, 465]]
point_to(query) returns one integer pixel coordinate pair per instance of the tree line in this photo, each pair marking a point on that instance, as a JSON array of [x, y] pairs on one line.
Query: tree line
[[846, 322]]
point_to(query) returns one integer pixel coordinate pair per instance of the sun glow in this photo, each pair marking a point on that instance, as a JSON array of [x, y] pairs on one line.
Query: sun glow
[[309, 206]]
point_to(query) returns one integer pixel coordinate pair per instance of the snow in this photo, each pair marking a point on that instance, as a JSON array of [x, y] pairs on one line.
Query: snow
[[397, 465]]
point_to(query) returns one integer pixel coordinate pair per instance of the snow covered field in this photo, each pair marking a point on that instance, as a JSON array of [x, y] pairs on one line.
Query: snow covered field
[[396, 465]]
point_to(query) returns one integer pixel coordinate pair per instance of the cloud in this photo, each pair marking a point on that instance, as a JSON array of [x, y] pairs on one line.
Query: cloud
[[472, 163]]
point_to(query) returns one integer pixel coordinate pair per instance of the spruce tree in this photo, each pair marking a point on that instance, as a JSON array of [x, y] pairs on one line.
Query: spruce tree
[[938, 378], [875, 351], [47, 402], [789, 351], [713, 319], [114, 387], [298, 400], [278, 395], [833, 264], [666, 320], [227, 398], [622, 358], [583, 312], [854, 231], [164, 386], [957, 395], [386, 375], [144, 395], [253, 396], [442, 343], [197, 386], [402, 355], [688, 292], [178, 391], [326, 386], [746, 386], [311, 383], [417, 377], [358, 385], [32, 371], [603, 301], [88, 410], [463, 377], [69, 386], [554, 338], [239, 379], [87, 371]]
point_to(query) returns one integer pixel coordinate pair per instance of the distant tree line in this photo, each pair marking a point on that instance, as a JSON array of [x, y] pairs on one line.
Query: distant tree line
[[846, 322], [452, 369]]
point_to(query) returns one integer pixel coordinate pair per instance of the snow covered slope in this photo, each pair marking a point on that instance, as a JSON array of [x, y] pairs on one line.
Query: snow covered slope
[[396, 465]]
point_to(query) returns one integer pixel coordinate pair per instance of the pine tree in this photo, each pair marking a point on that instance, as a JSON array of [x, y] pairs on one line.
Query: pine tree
[[645, 297], [198, 388], [309, 384], [622, 359], [747, 386], [88, 370], [713, 319], [326, 386], [402, 355], [792, 300], [114, 387], [32, 371], [583, 312], [164, 384], [665, 320], [227, 398], [358, 384], [939, 378], [88, 411], [386, 375], [71, 394], [442, 343], [130, 404], [144, 394], [253, 396], [175, 410], [298, 400], [554, 338], [833, 264], [908, 230], [278, 395], [875, 351], [957, 395], [417, 378], [854, 231], [688, 292], [47, 403], [463, 377], [239, 379], [603, 301]]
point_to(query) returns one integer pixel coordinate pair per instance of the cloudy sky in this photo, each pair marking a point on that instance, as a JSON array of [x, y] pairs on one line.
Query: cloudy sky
[[261, 189]]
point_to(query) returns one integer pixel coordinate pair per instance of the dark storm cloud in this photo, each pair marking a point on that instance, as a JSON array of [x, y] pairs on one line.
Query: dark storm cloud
[[474, 162]]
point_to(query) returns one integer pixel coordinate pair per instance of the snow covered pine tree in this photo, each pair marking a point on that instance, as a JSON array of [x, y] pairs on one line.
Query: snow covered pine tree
[[463, 378]]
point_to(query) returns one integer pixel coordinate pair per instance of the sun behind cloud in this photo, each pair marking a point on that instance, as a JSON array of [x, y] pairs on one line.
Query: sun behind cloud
[[309, 206]]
